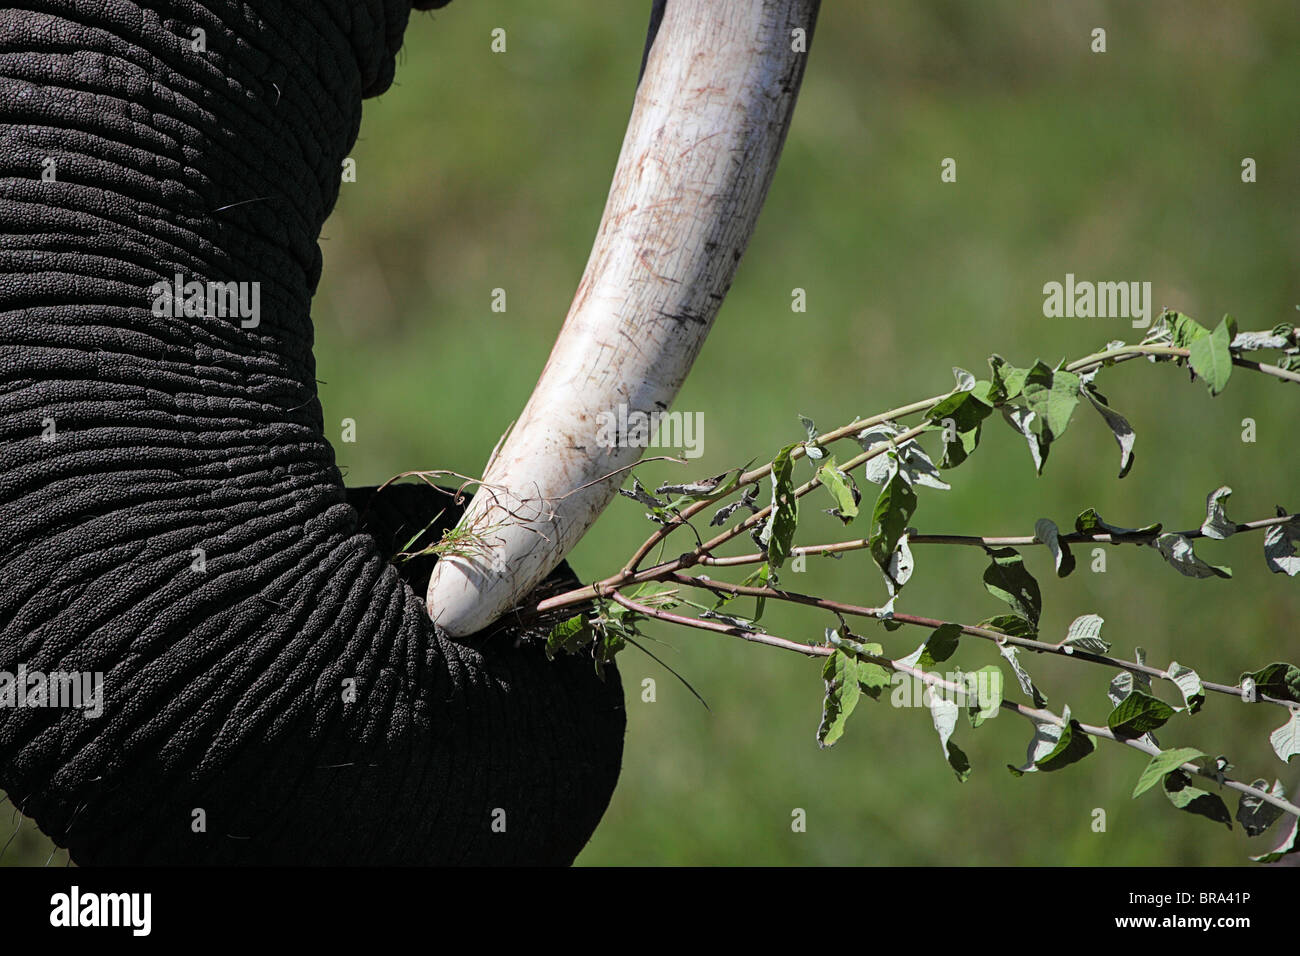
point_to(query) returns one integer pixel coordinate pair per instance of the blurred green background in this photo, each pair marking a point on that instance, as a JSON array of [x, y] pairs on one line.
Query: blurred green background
[[481, 170]]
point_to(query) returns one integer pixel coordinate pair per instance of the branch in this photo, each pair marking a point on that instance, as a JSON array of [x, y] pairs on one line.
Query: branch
[[1042, 647], [1021, 541], [934, 680]]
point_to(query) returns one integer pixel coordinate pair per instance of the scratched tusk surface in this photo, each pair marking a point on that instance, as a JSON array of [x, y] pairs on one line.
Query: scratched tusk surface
[[702, 144]]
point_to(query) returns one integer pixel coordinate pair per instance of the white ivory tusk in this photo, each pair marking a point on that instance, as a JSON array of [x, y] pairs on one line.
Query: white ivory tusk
[[702, 144]]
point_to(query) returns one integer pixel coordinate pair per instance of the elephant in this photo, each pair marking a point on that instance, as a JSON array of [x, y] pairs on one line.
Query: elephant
[[171, 514]]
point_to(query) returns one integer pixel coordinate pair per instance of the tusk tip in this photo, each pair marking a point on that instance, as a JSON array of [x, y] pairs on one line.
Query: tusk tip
[[460, 600]]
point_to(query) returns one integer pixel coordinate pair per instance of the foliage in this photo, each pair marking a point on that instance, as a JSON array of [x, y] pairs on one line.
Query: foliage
[[1039, 403]]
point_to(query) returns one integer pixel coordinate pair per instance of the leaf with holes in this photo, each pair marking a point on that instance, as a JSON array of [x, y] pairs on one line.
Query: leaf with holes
[[569, 636], [842, 692], [778, 533]]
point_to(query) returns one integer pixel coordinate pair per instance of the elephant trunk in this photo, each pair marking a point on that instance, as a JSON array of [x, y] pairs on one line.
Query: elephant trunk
[[171, 516]]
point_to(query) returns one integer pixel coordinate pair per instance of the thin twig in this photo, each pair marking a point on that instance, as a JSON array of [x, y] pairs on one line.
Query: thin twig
[[1031, 713], [1042, 647], [1021, 541]]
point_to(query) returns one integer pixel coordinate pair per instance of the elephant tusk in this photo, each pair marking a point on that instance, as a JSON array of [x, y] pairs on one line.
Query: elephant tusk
[[702, 144]]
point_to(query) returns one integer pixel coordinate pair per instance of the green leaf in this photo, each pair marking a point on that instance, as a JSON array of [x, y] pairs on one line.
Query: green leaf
[[569, 636], [943, 713], [840, 486], [1279, 679], [1217, 524], [984, 687], [1163, 763], [1038, 439], [1280, 543], [1137, 714], [814, 451], [1046, 741], [1009, 651], [1072, 746], [1178, 788], [1007, 580], [947, 406], [611, 637], [1256, 815], [983, 391], [759, 579], [778, 533], [1211, 358], [907, 457], [899, 570], [1052, 396], [1011, 624], [1085, 634], [894, 509], [1185, 329], [1008, 381], [1045, 530], [1089, 522], [940, 645], [959, 762], [840, 673], [1119, 427], [936, 648], [1122, 684], [959, 417], [1177, 550], [1189, 683], [1286, 739], [873, 679], [1288, 845]]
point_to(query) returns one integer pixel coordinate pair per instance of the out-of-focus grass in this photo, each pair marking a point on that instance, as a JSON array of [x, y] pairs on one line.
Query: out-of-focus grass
[[481, 171]]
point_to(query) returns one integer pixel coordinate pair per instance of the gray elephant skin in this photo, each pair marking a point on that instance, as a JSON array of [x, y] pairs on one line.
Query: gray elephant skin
[[133, 438]]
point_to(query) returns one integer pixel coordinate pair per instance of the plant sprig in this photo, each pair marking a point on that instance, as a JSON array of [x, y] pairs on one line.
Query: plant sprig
[[1038, 402]]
